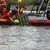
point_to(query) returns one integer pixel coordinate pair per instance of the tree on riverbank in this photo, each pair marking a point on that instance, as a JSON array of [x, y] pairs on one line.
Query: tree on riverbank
[[26, 1]]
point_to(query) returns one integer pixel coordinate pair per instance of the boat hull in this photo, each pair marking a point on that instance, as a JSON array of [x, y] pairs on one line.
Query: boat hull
[[4, 21], [40, 22]]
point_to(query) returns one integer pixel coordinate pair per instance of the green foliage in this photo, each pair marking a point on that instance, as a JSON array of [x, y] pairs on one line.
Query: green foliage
[[32, 1], [9, 5], [27, 1]]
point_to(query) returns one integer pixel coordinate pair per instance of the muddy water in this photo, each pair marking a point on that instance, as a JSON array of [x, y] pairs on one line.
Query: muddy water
[[24, 38]]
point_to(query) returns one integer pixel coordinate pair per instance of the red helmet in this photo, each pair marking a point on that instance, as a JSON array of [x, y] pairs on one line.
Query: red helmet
[[8, 14]]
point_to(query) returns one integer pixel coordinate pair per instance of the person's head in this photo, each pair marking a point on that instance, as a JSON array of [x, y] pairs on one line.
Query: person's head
[[3, 0]]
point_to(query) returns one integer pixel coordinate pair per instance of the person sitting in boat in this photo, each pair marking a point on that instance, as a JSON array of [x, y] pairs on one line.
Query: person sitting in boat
[[3, 7], [20, 8], [5, 14]]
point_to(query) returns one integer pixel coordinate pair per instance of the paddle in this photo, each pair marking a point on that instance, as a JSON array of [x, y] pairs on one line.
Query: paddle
[[14, 21]]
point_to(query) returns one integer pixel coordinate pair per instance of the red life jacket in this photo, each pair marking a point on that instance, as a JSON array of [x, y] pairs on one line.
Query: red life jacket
[[3, 7], [4, 13]]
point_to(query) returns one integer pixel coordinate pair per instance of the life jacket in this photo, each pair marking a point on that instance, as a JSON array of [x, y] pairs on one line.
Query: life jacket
[[3, 7], [4, 13]]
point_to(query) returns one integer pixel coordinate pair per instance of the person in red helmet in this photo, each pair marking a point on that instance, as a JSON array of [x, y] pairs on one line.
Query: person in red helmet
[[3, 7], [5, 15]]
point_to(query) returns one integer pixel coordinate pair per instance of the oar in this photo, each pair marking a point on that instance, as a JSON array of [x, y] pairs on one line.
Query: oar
[[14, 21]]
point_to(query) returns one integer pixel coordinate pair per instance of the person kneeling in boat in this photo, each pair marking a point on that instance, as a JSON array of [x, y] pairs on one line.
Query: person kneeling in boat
[[5, 14]]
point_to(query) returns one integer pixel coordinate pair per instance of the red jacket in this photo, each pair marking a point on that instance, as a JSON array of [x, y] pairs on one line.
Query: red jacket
[[3, 8]]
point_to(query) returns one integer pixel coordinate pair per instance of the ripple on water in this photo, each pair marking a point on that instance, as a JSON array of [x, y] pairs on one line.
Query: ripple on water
[[26, 38]]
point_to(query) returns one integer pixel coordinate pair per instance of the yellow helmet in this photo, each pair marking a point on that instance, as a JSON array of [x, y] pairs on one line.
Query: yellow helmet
[[19, 0]]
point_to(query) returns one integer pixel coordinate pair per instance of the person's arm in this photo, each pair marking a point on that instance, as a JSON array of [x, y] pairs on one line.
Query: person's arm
[[3, 4], [14, 21], [11, 20]]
